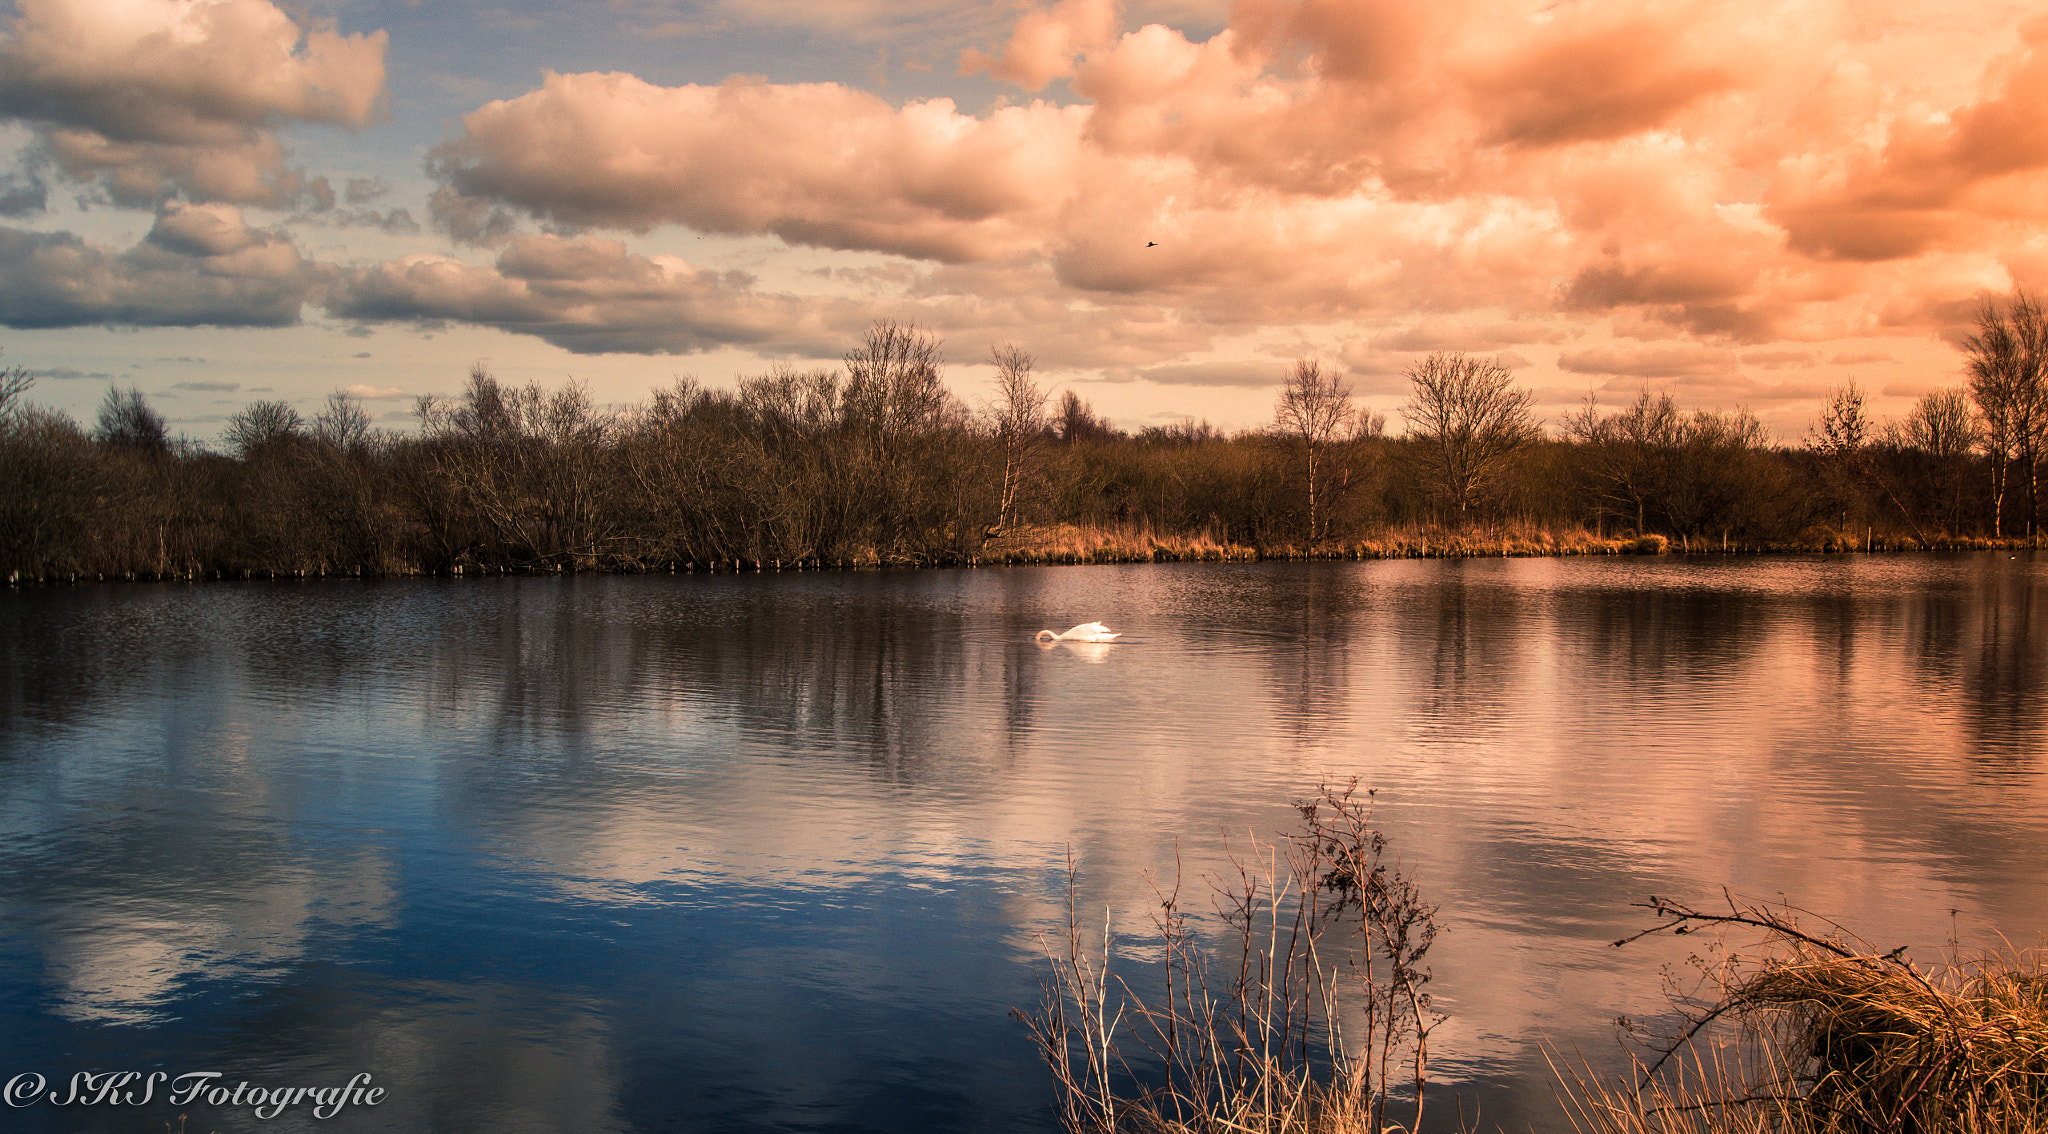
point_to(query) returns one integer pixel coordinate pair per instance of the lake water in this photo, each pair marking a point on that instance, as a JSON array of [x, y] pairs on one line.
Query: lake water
[[773, 852]]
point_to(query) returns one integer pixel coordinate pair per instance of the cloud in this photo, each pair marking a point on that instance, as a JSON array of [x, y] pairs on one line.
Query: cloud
[[376, 393], [1649, 362], [152, 97], [1045, 43], [1508, 168], [215, 387], [1777, 359], [67, 374], [200, 265], [1853, 358], [21, 194], [363, 190], [815, 164], [1937, 178], [1446, 334], [397, 222], [1915, 390], [586, 295], [1234, 373], [1678, 179], [467, 220]]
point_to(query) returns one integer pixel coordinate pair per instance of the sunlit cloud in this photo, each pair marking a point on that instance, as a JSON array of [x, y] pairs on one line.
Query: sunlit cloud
[[147, 98], [1629, 189]]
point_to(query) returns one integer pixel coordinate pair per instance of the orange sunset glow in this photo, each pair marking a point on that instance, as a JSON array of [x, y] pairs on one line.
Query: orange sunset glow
[[1746, 205]]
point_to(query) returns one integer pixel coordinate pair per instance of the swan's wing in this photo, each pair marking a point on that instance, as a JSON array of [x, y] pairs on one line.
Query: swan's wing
[[1089, 630]]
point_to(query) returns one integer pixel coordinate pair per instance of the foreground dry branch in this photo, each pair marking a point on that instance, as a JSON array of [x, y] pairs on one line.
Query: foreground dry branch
[[1309, 1010], [1821, 1032]]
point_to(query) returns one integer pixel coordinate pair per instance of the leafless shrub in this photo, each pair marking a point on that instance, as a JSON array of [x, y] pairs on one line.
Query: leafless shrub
[[1312, 1014]]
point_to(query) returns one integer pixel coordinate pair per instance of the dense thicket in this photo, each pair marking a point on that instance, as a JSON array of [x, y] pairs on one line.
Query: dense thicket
[[875, 462]]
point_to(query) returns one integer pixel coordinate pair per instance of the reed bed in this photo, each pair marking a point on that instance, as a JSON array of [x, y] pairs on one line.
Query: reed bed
[[1821, 1033], [1141, 543], [1309, 1014]]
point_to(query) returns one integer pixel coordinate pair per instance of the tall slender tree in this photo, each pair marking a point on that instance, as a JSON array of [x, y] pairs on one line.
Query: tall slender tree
[[1019, 418], [2008, 366], [1314, 409]]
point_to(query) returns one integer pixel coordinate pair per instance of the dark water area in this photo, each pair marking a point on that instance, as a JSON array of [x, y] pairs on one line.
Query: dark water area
[[774, 852]]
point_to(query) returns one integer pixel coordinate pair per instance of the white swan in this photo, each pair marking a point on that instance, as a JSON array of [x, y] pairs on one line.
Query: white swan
[[1085, 632]]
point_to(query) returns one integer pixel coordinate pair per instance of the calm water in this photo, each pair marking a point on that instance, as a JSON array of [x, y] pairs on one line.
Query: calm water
[[771, 852]]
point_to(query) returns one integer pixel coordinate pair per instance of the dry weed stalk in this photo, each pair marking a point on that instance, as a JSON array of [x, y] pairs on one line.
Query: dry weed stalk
[[1821, 1033], [1321, 1025]]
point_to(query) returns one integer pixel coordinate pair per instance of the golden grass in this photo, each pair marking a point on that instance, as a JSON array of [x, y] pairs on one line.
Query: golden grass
[[1823, 1034], [1311, 1015], [1136, 543], [1141, 543]]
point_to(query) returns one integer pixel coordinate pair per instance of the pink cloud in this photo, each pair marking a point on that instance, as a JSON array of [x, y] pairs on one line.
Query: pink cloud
[[1445, 334], [1598, 78], [588, 296], [1650, 362], [1778, 359], [1939, 179], [1046, 42], [153, 97], [818, 164], [1696, 186], [1316, 161]]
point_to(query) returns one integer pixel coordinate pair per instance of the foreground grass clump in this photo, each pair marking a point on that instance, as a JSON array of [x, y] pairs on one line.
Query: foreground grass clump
[[1310, 1013], [1822, 1033]]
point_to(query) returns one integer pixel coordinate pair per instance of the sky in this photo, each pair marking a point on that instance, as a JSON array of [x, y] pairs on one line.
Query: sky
[[1166, 202]]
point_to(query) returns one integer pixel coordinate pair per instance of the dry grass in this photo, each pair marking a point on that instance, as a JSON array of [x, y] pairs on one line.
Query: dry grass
[[1068, 543], [1823, 1034], [1137, 543], [1311, 1016]]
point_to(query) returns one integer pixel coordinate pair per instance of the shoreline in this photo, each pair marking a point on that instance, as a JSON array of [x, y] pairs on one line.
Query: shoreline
[[1071, 546]]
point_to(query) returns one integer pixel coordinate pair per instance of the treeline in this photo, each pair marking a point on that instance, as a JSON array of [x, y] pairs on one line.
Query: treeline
[[875, 462]]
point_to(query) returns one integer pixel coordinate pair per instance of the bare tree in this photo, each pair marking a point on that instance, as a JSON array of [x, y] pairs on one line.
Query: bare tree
[[1627, 456], [1019, 414], [126, 421], [1843, 428], [1313, 411], [342, 423], [2008, 365], [262, 424], [1845, 441], [1470, 421], [1943, 427], [527, 463], [1076, 420], [14, 382], [893, 393]]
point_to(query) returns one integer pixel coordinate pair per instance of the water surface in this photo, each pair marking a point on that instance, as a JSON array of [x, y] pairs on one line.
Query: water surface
[[772, 852]]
